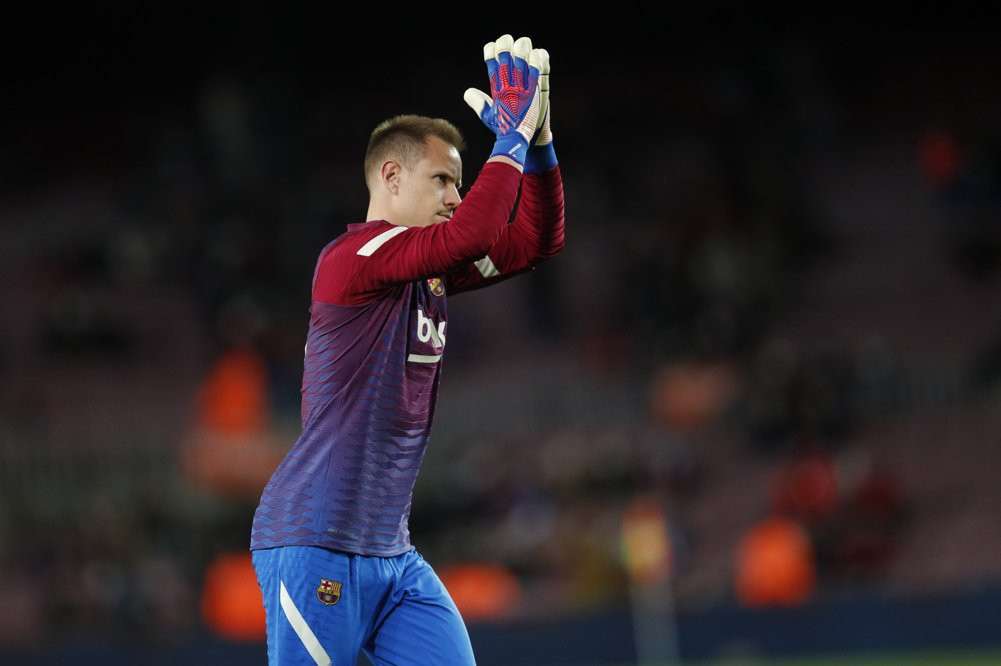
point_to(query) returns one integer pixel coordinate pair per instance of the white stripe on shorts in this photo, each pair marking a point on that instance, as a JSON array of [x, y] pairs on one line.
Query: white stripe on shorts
[[302, 629]]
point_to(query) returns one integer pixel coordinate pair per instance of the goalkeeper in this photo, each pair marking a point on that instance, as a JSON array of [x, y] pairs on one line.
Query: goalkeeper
[[330, 539]]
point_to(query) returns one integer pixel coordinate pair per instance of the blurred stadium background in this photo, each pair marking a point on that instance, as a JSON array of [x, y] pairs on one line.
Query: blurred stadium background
[[750, 415]]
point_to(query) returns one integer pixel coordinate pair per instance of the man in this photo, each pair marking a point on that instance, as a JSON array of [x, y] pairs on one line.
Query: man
[[330, 540]]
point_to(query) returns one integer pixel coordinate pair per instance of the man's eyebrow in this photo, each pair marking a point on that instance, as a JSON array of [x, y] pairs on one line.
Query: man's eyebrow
[[452, 175]]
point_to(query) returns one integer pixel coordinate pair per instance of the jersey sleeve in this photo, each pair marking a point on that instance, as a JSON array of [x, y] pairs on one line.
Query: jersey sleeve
[[359, 267], [536, 234]]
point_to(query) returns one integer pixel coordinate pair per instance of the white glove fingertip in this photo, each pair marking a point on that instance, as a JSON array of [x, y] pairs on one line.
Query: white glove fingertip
[[544, 60], [504, 43], [489, 51], [535, 59], [522, 48], [477, 99]]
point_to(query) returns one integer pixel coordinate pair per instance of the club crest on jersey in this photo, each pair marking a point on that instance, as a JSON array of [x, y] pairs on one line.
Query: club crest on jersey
[[437, 286], [329, 591]]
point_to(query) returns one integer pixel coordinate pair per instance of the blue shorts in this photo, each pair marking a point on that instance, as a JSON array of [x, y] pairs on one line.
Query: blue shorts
[[325, 607]]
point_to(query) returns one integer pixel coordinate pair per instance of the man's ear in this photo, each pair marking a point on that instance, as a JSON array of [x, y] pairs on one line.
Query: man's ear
[[390, 176]]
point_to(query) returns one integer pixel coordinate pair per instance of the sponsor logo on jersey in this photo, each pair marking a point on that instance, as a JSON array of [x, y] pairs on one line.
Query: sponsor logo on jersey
[[329, 591], [437, 286], [427, 332]]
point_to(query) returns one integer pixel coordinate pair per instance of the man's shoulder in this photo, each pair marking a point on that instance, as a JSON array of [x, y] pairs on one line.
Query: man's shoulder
[[337, 280], [358, 234]]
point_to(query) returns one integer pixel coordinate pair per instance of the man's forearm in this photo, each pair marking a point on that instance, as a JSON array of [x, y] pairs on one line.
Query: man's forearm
[[540, 215]]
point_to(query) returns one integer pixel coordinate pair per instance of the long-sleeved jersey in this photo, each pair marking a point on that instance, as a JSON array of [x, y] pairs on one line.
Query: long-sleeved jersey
[[376, 336]]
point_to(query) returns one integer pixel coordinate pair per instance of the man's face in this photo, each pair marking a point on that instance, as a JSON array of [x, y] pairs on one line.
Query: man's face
[[429, 193]]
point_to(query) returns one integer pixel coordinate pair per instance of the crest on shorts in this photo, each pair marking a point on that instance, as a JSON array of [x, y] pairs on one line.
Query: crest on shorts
[[329, 591], [437, 286]]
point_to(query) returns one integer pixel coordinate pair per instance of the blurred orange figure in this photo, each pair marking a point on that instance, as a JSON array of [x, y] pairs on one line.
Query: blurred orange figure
[[231, 600], [233, 399], [689, 395], [775, 564], [231, 448], [481, 591]]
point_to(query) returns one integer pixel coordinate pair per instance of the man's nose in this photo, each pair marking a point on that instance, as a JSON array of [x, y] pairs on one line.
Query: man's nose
[[452, 197]]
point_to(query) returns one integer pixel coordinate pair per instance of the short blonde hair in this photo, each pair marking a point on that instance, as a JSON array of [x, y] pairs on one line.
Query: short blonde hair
[[403, 138]]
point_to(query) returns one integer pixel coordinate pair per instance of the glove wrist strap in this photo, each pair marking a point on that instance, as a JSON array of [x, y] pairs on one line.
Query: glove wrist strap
[[512, 145], [540, 158]]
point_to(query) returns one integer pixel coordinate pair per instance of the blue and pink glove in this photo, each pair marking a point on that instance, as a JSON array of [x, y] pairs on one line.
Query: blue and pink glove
[[541, 156], [512, 110]]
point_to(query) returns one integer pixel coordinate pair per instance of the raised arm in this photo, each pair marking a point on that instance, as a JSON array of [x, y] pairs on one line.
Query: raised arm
[[536, 234], [380, 255], [537, 231]]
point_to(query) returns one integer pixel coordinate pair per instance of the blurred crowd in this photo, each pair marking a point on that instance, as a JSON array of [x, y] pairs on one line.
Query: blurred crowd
[[774, 319]]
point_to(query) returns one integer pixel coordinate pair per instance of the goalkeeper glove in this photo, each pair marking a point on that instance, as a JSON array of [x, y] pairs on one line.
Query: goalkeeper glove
[[541, 156], [511, 111]]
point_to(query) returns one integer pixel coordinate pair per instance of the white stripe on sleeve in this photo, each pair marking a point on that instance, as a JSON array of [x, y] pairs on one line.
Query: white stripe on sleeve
[[368, 248], [487, 268]]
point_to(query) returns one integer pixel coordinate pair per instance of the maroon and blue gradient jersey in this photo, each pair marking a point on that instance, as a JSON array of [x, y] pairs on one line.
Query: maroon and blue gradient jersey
[[377, 332]]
